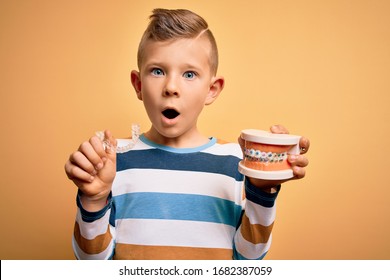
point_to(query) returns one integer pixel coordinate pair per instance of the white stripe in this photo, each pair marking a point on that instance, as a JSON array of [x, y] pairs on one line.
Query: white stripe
[[248, 249], [172, 181], [81, 255], [174, 233], [139, 145], [95, 228], [142, 146], [258, 214], [230, 149]]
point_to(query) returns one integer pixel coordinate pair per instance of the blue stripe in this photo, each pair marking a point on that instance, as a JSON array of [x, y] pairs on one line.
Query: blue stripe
[[258, 196], [199, 161], [170, 206], [90, 217], [178, 150]]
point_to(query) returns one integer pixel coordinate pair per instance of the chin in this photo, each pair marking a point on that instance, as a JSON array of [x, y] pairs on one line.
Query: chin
[[168, 132]]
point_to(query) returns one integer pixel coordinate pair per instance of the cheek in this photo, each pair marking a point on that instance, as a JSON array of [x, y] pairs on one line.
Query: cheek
[[149, 93], [151, 110], [199, 94], [197, 105], [149, 102]]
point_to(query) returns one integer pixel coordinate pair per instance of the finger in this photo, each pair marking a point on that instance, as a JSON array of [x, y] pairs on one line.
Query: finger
[[304, 145], [78, 159], [109, 138], [75, 173], [299, 172], [88, 150], [99, 147], [279, 129], [297, 160]]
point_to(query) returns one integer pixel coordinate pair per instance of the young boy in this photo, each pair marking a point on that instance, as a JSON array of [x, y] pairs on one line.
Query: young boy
[[176, 194]]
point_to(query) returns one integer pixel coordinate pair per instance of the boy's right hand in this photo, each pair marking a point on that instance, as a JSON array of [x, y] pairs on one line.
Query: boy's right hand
[[92, 168]]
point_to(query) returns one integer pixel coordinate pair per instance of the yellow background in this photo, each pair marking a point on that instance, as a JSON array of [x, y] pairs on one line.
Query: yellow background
[[320, 68]]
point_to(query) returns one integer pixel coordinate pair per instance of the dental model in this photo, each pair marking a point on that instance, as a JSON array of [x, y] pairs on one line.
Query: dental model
[[265, 154], [124, 145]]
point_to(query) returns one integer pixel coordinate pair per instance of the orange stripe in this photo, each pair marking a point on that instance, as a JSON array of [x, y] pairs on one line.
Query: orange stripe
[[255, 233], [142, 252], [92, 246]]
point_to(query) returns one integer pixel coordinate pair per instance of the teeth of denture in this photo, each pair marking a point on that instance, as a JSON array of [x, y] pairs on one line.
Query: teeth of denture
[[257, 155]]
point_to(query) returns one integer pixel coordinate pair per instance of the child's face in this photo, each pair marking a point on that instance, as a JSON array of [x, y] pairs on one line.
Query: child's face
[[175, 83]]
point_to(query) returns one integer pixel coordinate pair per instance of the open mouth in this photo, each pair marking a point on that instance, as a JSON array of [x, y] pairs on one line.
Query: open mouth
[[170, 113]]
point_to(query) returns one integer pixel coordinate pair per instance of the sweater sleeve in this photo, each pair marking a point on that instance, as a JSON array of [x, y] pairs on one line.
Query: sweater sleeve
[[93, 236], [253, 237]]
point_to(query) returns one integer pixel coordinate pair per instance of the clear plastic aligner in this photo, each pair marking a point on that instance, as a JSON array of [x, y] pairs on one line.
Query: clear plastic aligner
[[106, 143], [135, 131], [135, 128]]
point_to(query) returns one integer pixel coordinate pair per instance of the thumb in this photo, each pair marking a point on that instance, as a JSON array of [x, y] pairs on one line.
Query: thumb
[[111, 143], [279, 129]]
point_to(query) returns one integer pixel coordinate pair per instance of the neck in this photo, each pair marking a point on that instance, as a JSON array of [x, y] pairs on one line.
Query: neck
[[190, 139]]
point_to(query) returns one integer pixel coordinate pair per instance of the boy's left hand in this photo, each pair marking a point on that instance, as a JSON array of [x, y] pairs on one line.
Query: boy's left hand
[[298, 162]]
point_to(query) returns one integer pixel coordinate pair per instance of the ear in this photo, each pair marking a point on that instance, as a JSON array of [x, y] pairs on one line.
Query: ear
[[216, 87], [136, 82]]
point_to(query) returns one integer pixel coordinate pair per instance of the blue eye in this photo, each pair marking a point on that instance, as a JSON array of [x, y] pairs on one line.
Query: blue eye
[[189, 75], [157, 72]]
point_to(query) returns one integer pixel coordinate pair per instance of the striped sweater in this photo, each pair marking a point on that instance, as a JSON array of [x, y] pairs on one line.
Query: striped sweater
[[169, 203]]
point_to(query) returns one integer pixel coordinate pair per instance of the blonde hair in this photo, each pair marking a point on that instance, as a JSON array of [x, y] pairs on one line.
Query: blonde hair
[[167, 24]]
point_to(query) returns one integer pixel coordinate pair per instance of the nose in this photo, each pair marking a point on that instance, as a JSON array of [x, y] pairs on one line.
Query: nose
[[171, 86]]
